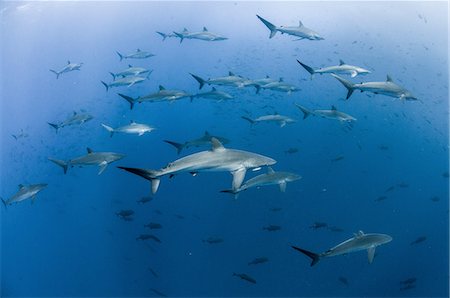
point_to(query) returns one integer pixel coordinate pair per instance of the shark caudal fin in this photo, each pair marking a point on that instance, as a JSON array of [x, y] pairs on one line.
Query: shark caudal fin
[[180, 35], [308, 69], [199, 80], [56, 73], [248, 119], [113, 75], [151, 175], [305, 111], [163, 35], [120, 55], [314, 257], [60, 163], [176, 145], [4, 203], [235, 193], [55, 126], [272, 27], [108, 128], [129, 99], [106, 85], [346, 84]]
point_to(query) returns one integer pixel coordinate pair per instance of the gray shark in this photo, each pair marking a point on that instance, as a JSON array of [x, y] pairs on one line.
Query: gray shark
[[388, 88], [359, 242], [257, 83], [281, 86], [333, 114], [67, 68], [213, 94], [131, 71], [202, 35], [101, 159], [269, 178], [280, 119], [230, 80], [219, 159], [125, 81], [342, 68], [20, 135], [166, 35], [301, 31], [132, 128], [138, 54], [162, 95], [205, 140], [75, 119], [25, 192]]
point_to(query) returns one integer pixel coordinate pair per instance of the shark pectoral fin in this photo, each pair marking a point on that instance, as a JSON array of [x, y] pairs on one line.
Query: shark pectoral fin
[[155, 185], [371, 254], [353, 74], [141, 133], [283, 123], [282, 186], [238, 177], [102, 167]]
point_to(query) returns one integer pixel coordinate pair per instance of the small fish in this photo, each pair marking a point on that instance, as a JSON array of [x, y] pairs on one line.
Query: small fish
[[125, 213], [335, 229], [381, 198], [383, 147], [153, 225], [445, 174], [276, 209], [213, 240], [159, 293], [153, 272], [403, 185], [144, 200], [291, 150], [337, 158], [258, 261], [179, 216], [419, 240], [390, 188], [318, 225], [147, 237], [435, 199], [343, 280], [407, 287], [245, 277], [407, 281], [272, 228]]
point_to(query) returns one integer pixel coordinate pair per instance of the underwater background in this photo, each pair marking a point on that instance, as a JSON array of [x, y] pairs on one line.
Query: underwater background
[[388, 173]]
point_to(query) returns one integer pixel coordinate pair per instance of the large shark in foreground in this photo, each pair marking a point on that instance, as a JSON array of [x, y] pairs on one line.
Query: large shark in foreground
[[69, 67], [101, 159], [388, 88], [25, 192], [333, 114], [342, 68], [359, 242], [301, 31], [219, 159]]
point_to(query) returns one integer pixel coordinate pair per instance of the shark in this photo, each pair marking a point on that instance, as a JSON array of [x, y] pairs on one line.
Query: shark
[[213, 94], [204, 140], [202, 35], [100, 159], [257, 83], [280, 119], [281, 86], [75, 119], [132, 128], [333, 114], [342, 68], [166, 35], [138, 54], [25, 192], [162, 95], [300, 31], [69, 67], [388, 88], [270, 178], [218, 159], [230, 80], [360, 241], [125, 81], [131, 71]]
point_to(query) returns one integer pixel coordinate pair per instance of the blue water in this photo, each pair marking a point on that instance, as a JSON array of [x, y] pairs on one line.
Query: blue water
[[70, 242]]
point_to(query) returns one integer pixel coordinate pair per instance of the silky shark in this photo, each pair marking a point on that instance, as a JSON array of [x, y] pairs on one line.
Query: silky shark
[[230, 80], [67, 68], [281, 86], [132, 128], [25, 192], [166, 35], [269, 178], [359, 242], [131, 71], [388, 88], [138, 54], [280, 119], [342, 68], [218, 159], [75, 119], [333, 114], [213, 94], [202, 35], [301, 31], [257, 83], [205, 140], [162, 95], [101, 159], [125, 81]]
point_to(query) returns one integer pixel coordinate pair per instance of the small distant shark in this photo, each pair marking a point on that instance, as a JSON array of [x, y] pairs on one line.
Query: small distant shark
[[359, 242], [230, 80], [202, 35], [67, 68], [301, 31], [213, 94], [280, 119], [101, 159], [257, 83], [280, 86], [219, 159], [333, 114], [20, 135], [138, 54], [75, 119], [162, 95], [388, 88], [269, 178], [25, 192], [166, 35], [205, 140], [342, 68], [125, 81], [131, 71], [132, 128]]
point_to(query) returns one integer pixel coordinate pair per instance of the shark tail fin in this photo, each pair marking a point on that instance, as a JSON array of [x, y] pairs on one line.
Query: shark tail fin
[[106, 85], [248, 119], [109, 128], [314, 257], [233, 192], [56, 73], [60, 163], [113, 75], [120, 56], [129, 99], [176, 145], [305, 111], [4, 203], [14, 136], [163, 35], [199, 80], [55, 126], [308, 69], [179, 35], [151, 175], [272, 27], [347, 84]]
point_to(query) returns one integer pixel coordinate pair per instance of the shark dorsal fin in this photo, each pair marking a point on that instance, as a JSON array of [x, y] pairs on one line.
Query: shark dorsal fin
[[74, 113], [161, 87], [205, 29], [216, 145], [388, 78], [207, 133], [359, 234], [333, 108], [68, 61], [185, 30], [341, 62], [89, 150], [270, 170], [281, 79], [300, 24], [20, 186], [138, 50], [129, 65], [132, 122], [230, 73], [267, 77], [213, 89]]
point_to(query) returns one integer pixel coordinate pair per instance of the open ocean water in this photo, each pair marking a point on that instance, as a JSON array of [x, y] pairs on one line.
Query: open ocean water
[[385, 172]]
